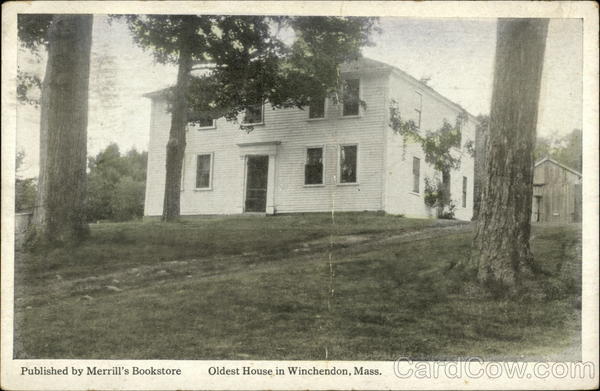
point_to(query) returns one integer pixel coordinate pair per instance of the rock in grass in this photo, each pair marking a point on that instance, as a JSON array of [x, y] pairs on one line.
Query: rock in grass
[[87, 297], [113, 288]]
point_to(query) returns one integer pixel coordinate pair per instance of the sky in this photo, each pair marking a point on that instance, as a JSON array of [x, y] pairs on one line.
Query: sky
[[457, 55]]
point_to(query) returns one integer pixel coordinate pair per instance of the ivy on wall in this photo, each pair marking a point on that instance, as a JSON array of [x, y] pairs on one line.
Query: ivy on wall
[[442, 149]]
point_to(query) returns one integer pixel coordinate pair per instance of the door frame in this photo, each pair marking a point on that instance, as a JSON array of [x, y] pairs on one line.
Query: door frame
[[245, 190], [268, 148]]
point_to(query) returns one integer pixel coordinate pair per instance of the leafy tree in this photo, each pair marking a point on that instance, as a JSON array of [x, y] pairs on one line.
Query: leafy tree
[[25, 188], [244, 63], [500, 251], [566, 149], [442, 149], [60, 207], [116, 185], [25, 194], [129, 199]]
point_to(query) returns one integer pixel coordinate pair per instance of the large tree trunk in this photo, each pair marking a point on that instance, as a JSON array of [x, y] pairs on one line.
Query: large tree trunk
[[501, 243], [176, 143], [480, 145], [60, 212]]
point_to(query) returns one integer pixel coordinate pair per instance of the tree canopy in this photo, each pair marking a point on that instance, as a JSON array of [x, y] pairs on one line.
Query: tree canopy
[[565, 149], [239, 61], [116, 184]]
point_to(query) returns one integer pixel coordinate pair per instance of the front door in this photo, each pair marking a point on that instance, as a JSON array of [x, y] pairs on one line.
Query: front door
[[257, 171]]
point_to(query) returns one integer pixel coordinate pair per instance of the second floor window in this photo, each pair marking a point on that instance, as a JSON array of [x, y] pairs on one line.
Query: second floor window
[[418, 107], [348, 163], [254, 114], [313, 169], [202, 120], [316, 108], [351, 97], [203, 171]]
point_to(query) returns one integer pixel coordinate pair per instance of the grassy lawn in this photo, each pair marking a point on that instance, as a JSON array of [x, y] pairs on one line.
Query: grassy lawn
[[365, 286]]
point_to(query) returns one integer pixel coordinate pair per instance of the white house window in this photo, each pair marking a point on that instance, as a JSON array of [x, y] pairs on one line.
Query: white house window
[[418, 107], [351, 97], [254, 114], [202, 120], [464, 192], [416, 169], [313, 169], [316, 108], [203, 171], [348, 163]]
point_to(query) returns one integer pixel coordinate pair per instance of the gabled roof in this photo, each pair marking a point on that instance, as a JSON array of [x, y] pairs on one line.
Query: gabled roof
[[369, 63], [548, 159], [365, 63]]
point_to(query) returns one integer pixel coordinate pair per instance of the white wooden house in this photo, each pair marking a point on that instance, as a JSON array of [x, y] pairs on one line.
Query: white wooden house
[[341, 157]]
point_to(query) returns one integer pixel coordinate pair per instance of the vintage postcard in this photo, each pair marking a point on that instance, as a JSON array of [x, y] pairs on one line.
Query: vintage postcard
[[299, 195]]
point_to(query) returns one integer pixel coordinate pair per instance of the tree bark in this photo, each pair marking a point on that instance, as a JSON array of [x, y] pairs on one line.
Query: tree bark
[[177, 142], [444, 197], [480, 146], [501, 242], [60, 212]]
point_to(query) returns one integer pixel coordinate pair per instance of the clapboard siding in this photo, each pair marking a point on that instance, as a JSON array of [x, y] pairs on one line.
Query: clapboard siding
[[384, 164], [295, 132], [399, 197], [557, 193]]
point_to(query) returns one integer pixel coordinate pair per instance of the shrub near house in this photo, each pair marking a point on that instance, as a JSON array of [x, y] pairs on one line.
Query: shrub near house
[[116, 185]]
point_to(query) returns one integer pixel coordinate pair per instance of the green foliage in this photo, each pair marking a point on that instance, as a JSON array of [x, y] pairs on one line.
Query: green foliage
[[28, 86], [566, 149], [470, 148], [32, 31], [116, 185], [442, 149], [25, 194], [448, 211], [25, 189], [129, 200], [436, 196], [432, 192], [437, 145], [407, 129]]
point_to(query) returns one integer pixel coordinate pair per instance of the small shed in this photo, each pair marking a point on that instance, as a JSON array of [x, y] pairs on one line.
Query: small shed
[[556, 193]]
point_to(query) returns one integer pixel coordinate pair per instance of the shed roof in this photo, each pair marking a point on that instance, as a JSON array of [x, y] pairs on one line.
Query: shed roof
[[548, 159]]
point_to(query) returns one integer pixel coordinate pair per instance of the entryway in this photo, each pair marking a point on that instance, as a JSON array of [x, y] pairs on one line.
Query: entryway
[[257, 178]]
